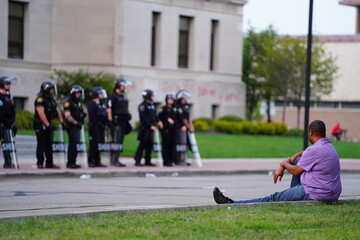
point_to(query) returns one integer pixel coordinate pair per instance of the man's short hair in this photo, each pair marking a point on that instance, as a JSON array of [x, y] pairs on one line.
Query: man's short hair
[[318, 128]]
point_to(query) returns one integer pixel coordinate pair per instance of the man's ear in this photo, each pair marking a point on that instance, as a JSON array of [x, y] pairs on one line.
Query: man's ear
[[311, 133]]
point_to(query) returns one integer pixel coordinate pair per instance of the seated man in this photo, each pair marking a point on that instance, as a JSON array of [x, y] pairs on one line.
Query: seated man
[[319, 167]]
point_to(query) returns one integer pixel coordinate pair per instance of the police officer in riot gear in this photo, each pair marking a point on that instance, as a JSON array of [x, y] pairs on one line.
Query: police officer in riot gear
[[97, 123], [184, 123], [119, 117], [46, 110], [74, 115], [148, 124], [168, 116], [7, 114]]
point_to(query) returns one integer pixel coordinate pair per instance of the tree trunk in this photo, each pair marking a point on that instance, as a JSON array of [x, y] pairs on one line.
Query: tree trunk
[[268, 111], [298, 115]]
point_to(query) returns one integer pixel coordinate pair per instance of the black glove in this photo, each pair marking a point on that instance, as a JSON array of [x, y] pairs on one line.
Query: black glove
[[8, 125], [51, 127], [111, 125], [65, 125], [78, 125]]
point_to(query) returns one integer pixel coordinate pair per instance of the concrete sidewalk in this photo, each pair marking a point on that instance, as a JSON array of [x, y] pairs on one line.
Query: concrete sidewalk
[[210, 167]]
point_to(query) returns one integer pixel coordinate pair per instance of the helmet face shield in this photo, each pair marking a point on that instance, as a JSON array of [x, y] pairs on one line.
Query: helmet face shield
[[125, 83], [183, 94], [102, 94], [77, 89], [7, 81], [10, 80]]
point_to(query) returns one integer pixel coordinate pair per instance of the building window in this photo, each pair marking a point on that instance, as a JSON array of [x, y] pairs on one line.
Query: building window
[[215, 111], [154, 37], [213, 43], [16, 30], [184, 41], [19, 103]]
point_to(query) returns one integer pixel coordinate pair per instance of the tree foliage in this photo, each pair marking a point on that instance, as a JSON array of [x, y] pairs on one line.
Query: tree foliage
[[253, 57], [274, 68], [65, 80]]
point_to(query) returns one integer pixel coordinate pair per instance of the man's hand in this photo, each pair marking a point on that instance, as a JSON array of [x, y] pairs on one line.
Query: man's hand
[[153, 128], [278, 174], [171, 121], [160, 124]]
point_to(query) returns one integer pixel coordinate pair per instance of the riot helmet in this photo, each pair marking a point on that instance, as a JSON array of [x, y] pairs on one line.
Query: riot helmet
[[148, 94], [182, 94], [170, 95], [122, 82], [98, 92], [77, 89], [6, 80], [46, 88]]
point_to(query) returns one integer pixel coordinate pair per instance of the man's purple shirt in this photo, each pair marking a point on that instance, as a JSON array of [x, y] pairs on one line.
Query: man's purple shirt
[[321, 176]]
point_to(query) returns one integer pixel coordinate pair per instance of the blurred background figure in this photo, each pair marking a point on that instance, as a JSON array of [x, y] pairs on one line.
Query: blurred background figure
[[148, 125], [184, 126], [46, 110], [74, 115], [98, 120], [338, 132], [119, 117], [7, 119], [168, 116]]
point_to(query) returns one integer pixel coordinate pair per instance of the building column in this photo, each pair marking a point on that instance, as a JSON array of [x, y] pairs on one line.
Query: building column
[[4, 8]]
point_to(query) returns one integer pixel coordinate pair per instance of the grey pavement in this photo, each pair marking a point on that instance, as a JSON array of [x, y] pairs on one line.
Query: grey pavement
[[35, 197], [30, 192], [209, 167]]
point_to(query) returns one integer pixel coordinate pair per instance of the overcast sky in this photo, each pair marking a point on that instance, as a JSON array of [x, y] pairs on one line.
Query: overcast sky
[[291, 16]]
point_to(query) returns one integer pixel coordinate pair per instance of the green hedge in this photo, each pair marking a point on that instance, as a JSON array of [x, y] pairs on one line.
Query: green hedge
[[24, 120], [231, 118], [201, 125], [250, 127], [209, 121]]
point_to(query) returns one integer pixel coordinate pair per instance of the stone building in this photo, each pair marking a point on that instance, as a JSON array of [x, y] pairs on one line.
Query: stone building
[[164, 45]]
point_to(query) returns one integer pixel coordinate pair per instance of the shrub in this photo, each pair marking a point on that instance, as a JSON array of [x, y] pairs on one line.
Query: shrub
[[24, 119], [231, 118], [222, 126], [209, 121], [296, 132], [280, 128], [236, 127], [200, 125], [246, 127], [266, 128]]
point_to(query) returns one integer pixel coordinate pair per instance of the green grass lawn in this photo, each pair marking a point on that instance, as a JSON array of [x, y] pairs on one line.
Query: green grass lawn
[[270, 221], [244, 146]]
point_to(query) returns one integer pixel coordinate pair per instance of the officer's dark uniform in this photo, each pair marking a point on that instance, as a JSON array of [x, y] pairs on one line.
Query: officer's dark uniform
[[168, 134], [7, 119], [74, 106], [148, 118], [119, 105], [97, 122], [183, 113], [44, 135]]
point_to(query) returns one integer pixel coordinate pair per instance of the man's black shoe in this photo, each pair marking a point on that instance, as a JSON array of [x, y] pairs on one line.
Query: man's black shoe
[[39, 166], [168, 164], [119, 164], [220, 198], [100, 165], [150, 164], [91, 165], [73, 166], [138, 164], [53, 166]]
